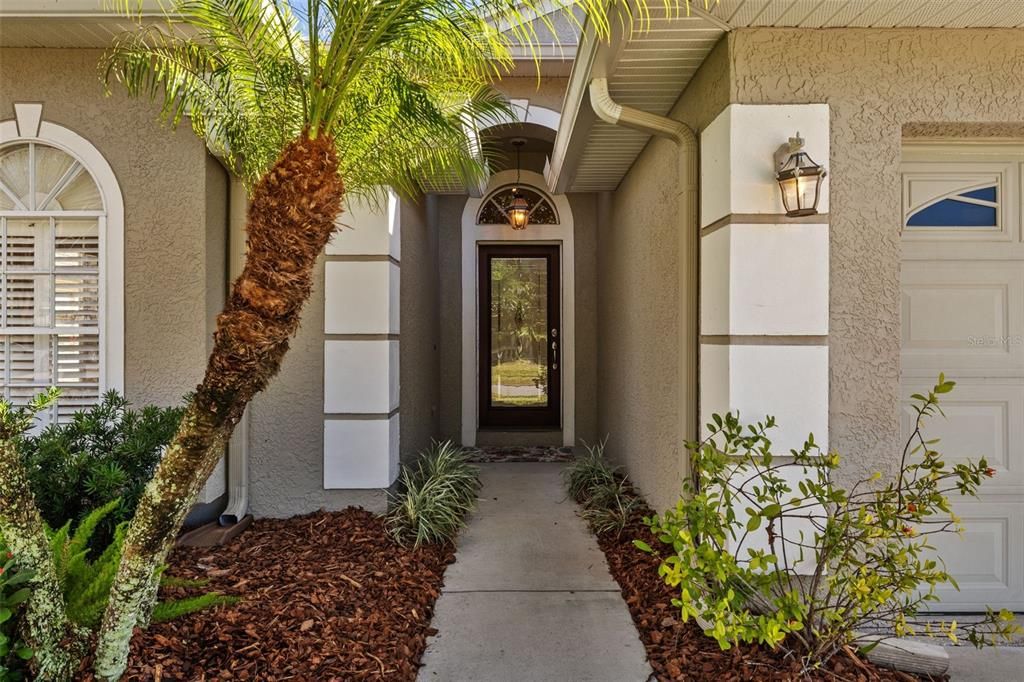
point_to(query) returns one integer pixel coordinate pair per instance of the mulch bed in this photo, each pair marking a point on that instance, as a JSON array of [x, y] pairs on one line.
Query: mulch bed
[[679, 651], [323, 597]]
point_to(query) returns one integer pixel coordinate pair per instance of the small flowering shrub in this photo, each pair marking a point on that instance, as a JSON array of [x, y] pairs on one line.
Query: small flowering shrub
[[13, 593], [770, 549]]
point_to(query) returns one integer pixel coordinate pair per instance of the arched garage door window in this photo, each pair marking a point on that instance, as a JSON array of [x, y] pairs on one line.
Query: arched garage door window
[[52, 222]]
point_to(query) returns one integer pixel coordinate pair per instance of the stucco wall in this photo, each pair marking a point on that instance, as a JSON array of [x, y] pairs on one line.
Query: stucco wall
[[168, 271], [637, 301], [419, 363], [549, 92], [875, 83]]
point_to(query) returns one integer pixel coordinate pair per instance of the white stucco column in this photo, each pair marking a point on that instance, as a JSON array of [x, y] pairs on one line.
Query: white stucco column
[[361, 332], [764, 277]]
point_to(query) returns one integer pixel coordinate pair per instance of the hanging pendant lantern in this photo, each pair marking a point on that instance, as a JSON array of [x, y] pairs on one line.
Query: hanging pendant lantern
[[518, 212]]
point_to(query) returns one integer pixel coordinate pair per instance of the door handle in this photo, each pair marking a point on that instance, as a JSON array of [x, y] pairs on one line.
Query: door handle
[[554, 349]]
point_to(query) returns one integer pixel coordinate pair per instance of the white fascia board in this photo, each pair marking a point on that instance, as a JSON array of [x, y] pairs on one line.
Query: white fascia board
[[577, 114]]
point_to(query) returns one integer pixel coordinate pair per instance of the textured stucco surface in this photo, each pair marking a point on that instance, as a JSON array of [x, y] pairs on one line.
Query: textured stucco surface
[[548, 92], [638, 301], [419, 364], [876, 82], [449, 260], [170, 265]]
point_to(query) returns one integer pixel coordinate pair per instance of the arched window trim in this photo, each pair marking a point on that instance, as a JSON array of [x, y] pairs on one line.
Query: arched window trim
[[29, 126], [545, 200]]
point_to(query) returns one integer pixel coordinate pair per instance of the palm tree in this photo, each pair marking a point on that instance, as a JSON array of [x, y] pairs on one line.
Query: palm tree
[[376, 93], [353, 96]]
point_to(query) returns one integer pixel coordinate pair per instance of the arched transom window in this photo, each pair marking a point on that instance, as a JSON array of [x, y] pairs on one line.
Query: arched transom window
[[51, 219], [494, 209]]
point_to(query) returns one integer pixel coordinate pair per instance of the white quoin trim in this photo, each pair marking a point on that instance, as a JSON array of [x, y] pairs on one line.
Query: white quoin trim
[[28, 126], [472, 236]]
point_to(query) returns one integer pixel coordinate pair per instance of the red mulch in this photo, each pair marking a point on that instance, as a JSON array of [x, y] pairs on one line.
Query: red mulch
[[679, 651], [326, 596]]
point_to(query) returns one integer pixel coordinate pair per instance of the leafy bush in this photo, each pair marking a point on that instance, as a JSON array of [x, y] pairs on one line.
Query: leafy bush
[[776, 552], [107, 452], [13, 593], [434, 496], [589, 472]]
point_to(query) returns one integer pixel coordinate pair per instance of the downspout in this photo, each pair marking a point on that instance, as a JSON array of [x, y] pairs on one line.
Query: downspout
[[238, 447], [609, 111]]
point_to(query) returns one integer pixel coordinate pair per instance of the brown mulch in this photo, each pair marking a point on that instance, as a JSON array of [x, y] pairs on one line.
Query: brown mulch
[[678, 651], [323, 597]]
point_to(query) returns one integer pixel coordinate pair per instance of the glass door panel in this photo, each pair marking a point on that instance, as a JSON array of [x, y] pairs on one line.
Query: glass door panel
[[519, 345]]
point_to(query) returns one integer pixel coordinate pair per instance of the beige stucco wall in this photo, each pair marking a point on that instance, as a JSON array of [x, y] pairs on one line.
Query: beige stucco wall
[[419, 363], [171, 266], [637, 301], [547, 92], [875, 83]]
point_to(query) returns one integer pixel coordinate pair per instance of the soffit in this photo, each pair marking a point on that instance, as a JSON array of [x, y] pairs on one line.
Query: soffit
[[649, 68]]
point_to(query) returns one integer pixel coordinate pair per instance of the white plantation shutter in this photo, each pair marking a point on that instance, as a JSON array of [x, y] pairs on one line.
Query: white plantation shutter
[[51, 217]]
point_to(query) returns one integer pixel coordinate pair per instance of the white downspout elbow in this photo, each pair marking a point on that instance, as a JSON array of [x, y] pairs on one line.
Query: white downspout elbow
[[610, 111]]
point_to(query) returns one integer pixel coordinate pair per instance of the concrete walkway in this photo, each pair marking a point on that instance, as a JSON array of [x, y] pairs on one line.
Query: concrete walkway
[[529, 598]]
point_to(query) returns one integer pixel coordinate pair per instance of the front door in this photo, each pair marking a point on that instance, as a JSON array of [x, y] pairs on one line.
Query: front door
[[520, 342]]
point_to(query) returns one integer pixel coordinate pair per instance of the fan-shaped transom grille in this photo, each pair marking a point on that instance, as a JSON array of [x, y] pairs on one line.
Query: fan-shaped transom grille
[[494, 209]]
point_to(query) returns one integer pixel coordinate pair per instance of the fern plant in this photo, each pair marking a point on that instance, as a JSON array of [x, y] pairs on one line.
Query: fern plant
[[434, 496], [86, 582]]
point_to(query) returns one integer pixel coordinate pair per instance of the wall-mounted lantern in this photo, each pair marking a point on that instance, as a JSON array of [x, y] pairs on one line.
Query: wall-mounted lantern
[[519, 210], [800, 180]]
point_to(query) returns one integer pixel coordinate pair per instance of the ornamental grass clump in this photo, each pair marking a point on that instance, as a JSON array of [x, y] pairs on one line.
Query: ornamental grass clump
[[611, 506], [772, 550], [589, 472], [434, 496]]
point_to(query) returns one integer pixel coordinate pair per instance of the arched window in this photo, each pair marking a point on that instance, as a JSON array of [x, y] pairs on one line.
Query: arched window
[[52, 218], [494, 209]]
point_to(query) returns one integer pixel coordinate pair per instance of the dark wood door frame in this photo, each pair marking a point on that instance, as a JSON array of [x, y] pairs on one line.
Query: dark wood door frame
[[549, 416]]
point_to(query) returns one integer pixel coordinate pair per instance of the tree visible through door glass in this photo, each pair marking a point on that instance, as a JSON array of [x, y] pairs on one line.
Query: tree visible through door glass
[[519, 332]]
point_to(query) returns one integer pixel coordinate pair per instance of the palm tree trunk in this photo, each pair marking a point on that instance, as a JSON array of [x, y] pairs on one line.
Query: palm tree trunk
[[58, 645], [291, 218]]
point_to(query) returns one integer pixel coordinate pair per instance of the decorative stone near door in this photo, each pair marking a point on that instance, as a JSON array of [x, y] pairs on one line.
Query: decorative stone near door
[[361, 343]]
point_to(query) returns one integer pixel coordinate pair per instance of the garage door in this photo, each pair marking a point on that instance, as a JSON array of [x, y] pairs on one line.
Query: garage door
[[962, 286]]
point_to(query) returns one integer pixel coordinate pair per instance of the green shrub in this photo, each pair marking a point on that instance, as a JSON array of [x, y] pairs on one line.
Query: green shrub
[[589, 472], [798, 561], [434, 496], [107, 452], [13, 593]]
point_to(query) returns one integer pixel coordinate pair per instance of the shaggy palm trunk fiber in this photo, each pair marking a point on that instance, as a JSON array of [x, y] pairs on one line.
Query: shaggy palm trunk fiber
[[58, 645], [291, 217]]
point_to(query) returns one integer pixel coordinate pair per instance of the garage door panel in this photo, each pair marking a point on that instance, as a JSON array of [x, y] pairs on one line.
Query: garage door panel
[[963, 316], [981, 420], [986, 560]]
